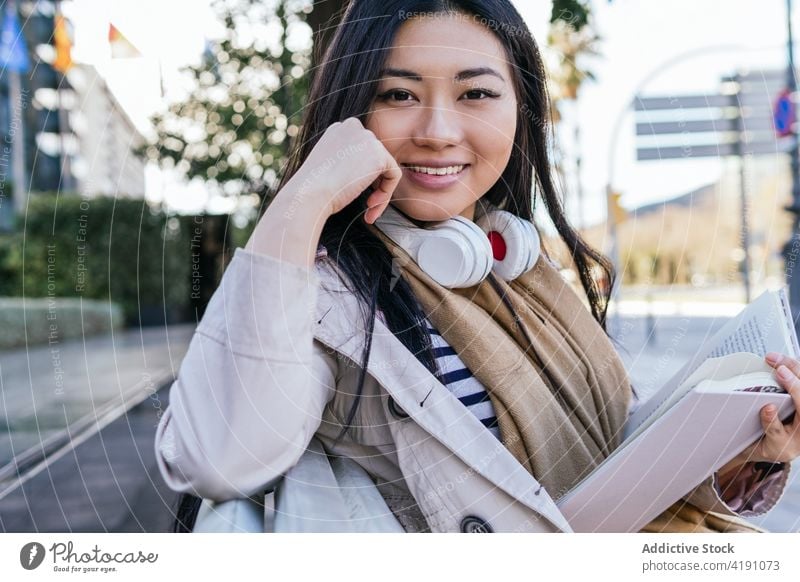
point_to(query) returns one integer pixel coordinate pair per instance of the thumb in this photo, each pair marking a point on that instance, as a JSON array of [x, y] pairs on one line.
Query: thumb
[[377, 201], [380, 197], [770, 421]]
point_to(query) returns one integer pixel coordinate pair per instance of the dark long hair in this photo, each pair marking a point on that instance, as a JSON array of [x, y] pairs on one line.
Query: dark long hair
[[345, 86]]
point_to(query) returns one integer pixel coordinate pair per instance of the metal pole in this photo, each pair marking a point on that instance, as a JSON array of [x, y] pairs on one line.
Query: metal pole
[[63, 126], [578, 163], [744, 232], [18, 142], [613, 237], [792, 247], [17, 130], [63, 130]]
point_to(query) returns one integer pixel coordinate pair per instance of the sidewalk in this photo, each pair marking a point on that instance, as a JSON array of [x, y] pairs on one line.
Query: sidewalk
[[53, 393]]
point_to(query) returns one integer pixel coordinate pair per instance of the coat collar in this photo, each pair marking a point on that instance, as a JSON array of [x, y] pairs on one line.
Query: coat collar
[[429, 402]]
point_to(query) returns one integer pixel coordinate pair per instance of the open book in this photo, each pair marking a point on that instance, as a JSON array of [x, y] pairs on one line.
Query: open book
[[701, 418]]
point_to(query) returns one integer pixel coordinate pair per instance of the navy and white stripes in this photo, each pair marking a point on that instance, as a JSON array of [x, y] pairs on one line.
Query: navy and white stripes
[[460, 381]]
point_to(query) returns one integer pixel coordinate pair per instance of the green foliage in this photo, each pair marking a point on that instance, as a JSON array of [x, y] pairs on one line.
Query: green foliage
[[112, 249], [240, 235], [573, 12], [233, 129]]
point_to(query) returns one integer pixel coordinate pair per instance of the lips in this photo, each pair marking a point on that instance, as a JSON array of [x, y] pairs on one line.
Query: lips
[[435, 177]]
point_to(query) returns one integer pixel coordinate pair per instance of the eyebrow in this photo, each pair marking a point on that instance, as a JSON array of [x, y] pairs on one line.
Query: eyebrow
[[460, 76]]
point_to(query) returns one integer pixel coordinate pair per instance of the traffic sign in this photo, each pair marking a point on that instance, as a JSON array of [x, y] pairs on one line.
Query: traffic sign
[[783, 113]]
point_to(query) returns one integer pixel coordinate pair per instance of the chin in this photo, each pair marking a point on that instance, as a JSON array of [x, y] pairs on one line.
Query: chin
[[427, 212]]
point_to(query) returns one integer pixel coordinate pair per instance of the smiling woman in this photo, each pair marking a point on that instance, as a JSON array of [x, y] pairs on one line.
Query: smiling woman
[[433, 113], [446, 110]]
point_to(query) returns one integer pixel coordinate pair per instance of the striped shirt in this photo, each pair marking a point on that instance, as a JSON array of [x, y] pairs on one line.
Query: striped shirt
[[460, 381]]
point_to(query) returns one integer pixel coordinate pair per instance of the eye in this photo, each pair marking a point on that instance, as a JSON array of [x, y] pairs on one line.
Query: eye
[[486, 93], [399, 93]]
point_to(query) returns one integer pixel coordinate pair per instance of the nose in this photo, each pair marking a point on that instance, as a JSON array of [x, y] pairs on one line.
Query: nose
[[437, 127]]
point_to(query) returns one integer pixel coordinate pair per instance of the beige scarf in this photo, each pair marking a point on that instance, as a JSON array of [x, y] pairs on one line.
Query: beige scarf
[[561, 403]]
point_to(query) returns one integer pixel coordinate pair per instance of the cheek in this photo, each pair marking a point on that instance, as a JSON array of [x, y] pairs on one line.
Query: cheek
[[498, 143], [389, 129]]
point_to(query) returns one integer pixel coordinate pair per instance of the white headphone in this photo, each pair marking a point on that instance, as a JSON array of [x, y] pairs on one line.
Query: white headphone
[[460, 253]]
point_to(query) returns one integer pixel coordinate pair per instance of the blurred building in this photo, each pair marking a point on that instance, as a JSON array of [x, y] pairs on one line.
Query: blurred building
[[105, 138], [77, 137]]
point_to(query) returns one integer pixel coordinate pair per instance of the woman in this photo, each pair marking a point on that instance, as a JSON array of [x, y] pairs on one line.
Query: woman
[[471, 407]]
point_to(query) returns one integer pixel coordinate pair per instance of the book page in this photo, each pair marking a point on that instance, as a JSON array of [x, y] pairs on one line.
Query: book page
[[724, 372], [753, 382], [749, 337], [759, 328]]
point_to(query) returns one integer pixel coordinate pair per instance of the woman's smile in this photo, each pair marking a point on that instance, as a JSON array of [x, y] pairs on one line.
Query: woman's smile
[[434, 177]]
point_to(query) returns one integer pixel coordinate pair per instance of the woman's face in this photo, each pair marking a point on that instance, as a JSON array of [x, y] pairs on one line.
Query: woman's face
[[445, 103]]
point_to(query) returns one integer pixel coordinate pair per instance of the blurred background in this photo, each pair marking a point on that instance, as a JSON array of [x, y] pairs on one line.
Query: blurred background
[[139, 140]]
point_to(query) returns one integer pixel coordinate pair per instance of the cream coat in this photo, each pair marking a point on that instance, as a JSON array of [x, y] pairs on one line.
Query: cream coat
[[273, 362]]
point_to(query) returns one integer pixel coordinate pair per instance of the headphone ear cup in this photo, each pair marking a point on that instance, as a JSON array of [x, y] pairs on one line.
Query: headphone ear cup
[[451, 259], [454, 253], [474, 236], [520, 239], [535, 245]]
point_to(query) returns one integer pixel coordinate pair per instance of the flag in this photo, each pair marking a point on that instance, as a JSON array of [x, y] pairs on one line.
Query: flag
[[13, 50], [121, 47], [62, 38]]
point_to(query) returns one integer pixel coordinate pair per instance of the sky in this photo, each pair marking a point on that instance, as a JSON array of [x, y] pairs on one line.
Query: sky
[[648, 47]]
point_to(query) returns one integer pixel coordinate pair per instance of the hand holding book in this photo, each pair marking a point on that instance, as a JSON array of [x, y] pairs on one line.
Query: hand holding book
[[781, 440]]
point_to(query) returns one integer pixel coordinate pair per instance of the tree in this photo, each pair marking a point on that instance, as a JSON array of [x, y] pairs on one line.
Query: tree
[[572, 36], [233, 130]]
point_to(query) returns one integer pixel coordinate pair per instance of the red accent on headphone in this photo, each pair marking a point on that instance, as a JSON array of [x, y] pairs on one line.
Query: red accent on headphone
[[498, 245]]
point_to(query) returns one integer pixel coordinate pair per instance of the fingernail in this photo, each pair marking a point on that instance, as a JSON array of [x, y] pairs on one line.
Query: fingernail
[[773, 357], [784, 372]]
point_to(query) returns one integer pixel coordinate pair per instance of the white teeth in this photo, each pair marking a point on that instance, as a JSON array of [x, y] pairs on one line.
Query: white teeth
[[437, 171]]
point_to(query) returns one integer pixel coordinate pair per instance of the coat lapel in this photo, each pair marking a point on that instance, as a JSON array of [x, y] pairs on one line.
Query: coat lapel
[[428, 401]]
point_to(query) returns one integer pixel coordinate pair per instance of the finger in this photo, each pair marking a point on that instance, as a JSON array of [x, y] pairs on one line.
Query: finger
[[376, 196], [776, 359], [790, 382], [790, 434], [390, 177], [379, 200], [376, 207], [371, 215], [774, 439]]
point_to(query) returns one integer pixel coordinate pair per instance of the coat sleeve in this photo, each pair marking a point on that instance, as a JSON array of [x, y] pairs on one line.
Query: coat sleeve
[[252, 387], [755, 490]]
